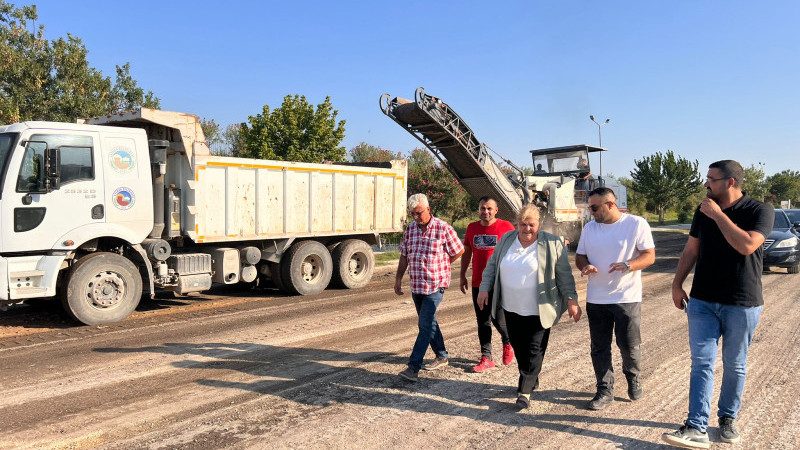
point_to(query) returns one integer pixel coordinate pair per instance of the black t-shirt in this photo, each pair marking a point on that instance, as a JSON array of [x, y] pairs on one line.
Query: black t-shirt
[[723, 275]]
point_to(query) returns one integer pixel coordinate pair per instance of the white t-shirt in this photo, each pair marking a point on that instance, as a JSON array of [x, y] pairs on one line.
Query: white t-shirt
[[604, 244], [519, 276]]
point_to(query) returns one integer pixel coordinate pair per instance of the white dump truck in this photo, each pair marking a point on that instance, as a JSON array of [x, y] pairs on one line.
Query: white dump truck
[[102, 211]]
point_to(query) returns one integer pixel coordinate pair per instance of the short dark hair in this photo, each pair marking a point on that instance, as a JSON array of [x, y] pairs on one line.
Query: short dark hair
[[602, 192], [486, 198], [730, 169]]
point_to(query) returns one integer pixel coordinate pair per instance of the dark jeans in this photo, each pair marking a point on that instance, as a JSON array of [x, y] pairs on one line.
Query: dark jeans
[[622, 319], [485, 322], [529, 340], [429, 332]]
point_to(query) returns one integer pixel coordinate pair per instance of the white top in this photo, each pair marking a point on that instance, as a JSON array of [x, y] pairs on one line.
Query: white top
[[604, 244], [519, 276]]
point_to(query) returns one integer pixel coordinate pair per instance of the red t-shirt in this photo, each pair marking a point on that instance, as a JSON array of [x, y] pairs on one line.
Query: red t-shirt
[[482, 240]]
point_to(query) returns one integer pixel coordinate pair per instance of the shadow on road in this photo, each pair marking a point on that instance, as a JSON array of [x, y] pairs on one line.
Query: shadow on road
[[322, 377]]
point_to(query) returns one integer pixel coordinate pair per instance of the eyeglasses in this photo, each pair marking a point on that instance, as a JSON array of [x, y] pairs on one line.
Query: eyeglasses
[[709, 179], [594, 208]]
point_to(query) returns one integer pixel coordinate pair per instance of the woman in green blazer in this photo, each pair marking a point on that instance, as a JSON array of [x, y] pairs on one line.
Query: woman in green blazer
[[533, 283]]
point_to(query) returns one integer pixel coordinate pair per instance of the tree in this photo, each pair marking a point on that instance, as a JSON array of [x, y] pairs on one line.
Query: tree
[[784, 186], [295, 132], [755, 183], [214, 139], [665, 180], [364, 152], [232, 137], [52, 80], [446, 196], [126, 95]]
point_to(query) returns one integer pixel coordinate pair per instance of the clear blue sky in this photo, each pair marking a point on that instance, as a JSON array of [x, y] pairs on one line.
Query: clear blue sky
[[709, 80]]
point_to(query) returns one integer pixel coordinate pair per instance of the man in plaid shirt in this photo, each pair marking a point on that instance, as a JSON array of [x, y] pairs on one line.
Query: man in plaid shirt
[[429, 247]]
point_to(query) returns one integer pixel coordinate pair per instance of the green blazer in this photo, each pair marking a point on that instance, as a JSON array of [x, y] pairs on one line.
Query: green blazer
[[556, 283]]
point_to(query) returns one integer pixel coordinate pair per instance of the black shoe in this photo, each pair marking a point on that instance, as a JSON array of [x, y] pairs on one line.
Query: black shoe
[[634, 388], [686, 437], [600, 401], [523, 402], [727, 430]]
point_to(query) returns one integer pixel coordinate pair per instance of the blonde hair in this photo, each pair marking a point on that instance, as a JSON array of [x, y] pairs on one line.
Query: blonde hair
[[528, 212]]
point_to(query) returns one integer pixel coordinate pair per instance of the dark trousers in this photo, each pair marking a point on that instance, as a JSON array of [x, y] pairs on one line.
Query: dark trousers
[[485, 322], [622, 319], [529, 340]]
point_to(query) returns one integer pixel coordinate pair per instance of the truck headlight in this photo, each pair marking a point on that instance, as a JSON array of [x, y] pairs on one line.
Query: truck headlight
[[791, 242]]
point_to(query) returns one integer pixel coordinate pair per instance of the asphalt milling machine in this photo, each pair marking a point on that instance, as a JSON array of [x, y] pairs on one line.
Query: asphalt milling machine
[[555, 186]]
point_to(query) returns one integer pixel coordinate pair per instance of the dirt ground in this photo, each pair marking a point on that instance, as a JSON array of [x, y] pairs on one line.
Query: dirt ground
[[257, 369]]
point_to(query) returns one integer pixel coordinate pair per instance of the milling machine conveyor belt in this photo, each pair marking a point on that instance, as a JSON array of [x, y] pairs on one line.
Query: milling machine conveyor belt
[[452, 141]]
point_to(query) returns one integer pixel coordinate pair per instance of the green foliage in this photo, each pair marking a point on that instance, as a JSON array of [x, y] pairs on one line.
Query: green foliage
[[295, 132], [52, 80], [447, 198], [364, 152], [665, 180], [126, 95], [755, 183], [233, 140], [211, 130], [784, 186]]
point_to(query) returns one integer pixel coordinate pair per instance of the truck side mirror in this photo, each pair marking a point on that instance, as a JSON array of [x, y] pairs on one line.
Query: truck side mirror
[[52, 169]]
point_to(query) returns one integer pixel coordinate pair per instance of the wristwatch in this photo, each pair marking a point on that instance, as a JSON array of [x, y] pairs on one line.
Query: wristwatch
[[627, 265]]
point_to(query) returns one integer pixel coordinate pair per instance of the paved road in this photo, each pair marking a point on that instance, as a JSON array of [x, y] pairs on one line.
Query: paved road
[[249, 370]]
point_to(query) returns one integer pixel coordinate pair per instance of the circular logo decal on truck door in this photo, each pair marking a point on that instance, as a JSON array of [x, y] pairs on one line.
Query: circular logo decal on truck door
[[122, 161], [123, 198]]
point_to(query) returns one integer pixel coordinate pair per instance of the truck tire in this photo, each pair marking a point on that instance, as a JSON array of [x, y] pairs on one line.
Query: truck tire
[[306, 268], [275, 274], [353, 264], [102, 288], [794, 269]]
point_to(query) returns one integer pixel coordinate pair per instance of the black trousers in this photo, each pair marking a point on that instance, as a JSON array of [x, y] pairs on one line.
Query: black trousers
[[529, 340], [485, 323], [622, 319]]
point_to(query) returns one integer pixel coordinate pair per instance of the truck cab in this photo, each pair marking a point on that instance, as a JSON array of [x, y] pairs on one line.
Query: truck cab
[[64, 185]]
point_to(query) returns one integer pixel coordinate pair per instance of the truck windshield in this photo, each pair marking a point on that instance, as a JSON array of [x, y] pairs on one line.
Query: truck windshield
[[7, 141]]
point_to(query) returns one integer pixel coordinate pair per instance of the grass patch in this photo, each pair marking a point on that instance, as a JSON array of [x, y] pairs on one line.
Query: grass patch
[[384, 258]]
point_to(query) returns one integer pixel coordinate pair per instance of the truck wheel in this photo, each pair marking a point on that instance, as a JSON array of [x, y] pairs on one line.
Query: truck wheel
[[306, 268], [275, 274], [794, 269], [353, 264], [102, 288]]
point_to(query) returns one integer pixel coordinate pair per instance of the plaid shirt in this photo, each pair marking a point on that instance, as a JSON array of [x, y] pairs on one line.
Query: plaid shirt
[[429, 255]]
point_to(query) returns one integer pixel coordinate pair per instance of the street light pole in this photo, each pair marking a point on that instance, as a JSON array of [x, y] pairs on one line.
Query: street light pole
[[600, 138]]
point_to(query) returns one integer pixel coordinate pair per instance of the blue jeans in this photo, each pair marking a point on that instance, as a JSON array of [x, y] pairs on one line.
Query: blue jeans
[[707, 323], [429, 332]]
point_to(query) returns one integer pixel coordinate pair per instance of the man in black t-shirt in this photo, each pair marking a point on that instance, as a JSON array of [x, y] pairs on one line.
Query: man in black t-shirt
[[725, 247]]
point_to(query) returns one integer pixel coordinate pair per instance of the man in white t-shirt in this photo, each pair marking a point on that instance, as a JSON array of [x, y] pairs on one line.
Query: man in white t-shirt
[[612, 251]]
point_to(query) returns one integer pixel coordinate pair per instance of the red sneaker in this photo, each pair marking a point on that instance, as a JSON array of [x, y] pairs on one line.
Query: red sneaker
[[508, 354], [484, 364]]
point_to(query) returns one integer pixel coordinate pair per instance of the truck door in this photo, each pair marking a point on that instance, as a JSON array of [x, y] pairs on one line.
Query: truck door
[[43, 214]]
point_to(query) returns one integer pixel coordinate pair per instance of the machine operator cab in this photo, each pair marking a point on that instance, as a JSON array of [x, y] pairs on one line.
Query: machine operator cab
[[565, 163], [562, 178]]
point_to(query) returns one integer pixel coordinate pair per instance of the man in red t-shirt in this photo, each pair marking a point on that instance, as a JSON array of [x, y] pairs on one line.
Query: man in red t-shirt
[[479, 243]]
